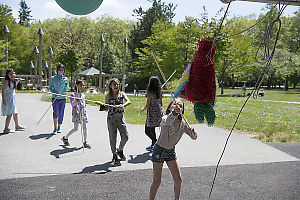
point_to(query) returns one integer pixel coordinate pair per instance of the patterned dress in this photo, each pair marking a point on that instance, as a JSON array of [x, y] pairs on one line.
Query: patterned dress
[[154, 113], [10, 96], [79, 108]]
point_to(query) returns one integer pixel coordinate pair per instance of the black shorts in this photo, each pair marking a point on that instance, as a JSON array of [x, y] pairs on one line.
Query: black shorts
[[161, 154]]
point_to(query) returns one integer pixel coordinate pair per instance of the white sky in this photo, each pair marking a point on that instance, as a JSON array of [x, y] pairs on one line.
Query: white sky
[[122, 9]]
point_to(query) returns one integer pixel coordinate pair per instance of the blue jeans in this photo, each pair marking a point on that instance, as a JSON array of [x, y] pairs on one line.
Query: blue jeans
[[59, 109]]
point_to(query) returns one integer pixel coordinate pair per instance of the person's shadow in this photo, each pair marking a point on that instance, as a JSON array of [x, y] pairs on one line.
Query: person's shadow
[[56, 153], [41, 136], [98, 169], [140, 158]]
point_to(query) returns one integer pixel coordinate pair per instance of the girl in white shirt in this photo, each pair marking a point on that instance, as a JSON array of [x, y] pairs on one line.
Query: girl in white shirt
[[172, 129]]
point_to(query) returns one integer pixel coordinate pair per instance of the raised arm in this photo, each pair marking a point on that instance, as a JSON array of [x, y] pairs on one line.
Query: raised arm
[[190, 131]]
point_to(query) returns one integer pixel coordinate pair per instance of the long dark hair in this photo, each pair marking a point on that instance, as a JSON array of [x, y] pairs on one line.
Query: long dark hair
[[77, 83], [109, 86], [8, 79], [154, 86]]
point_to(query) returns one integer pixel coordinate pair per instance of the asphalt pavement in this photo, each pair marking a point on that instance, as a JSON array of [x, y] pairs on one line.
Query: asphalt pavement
[[35, 165]]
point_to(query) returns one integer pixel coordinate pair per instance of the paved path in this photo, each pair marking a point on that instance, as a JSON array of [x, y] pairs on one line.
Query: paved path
[[38, 153], [283, 101]]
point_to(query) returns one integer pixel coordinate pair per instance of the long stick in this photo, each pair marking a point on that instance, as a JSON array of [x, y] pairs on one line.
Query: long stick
[[169, 78], [81, 122], [167, 84], [51, 104]]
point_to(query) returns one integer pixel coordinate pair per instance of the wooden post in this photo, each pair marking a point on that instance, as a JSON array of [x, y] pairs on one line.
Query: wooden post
[[100, 64], [124, 62], [40, 56]]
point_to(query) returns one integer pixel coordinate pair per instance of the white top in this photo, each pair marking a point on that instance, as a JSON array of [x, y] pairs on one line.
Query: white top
[[172, 131]]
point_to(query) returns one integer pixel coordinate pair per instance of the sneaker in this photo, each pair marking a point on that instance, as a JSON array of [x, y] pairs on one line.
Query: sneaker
[[115, 159], [54, 131], [86, 145], [150, 148], [121, 155], [58, 130], [65, 141]]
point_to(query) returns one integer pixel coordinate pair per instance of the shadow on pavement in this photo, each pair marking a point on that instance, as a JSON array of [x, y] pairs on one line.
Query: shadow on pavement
[[98, 169], [41, 136], [58, 152], [140, 158]]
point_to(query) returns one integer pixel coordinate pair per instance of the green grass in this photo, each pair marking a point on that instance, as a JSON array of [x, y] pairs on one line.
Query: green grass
[[270, 121]]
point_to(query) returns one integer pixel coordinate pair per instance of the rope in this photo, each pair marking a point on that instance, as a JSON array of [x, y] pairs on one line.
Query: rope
[[259, 81], [96, 102]]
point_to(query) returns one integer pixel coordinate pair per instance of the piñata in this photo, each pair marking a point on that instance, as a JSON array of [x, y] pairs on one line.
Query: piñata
[[198, 83]]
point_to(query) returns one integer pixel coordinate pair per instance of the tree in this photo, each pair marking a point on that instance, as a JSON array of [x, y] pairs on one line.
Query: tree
[[70, 52], [24, 14], [158, 11]]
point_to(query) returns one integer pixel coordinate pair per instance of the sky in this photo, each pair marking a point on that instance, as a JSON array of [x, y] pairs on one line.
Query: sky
[[122, 9]]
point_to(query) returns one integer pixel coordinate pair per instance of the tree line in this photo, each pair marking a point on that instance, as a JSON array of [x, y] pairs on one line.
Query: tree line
[[76, 43]]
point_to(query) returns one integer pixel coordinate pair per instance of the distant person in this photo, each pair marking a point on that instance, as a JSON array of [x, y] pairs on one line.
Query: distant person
[[79, 115], [261, 93], [134, 89], [59, 84], [172, 129], [8, 106], [154, 109], [244, 89], [115, 119]]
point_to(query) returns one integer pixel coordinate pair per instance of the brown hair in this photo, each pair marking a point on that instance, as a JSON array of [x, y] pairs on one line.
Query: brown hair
[[168, 111], [110, 92]]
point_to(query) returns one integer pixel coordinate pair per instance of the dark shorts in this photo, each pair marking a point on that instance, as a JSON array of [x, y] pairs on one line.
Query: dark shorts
[[161, 154]]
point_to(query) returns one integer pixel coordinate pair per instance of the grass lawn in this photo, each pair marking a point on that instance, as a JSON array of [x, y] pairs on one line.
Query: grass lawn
[[270, 121]]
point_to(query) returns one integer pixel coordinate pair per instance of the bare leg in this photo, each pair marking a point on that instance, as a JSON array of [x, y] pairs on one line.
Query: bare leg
[[175, 171], [7, 120], [55, 123], [15, 116], [157, 168]]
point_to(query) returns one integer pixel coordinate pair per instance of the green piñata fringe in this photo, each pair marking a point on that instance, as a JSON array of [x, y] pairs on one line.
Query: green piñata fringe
[[206, 111]]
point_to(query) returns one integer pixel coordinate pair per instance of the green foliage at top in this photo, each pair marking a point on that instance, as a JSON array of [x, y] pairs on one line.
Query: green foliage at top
[[24, 14], [76, 43], [143, 29]]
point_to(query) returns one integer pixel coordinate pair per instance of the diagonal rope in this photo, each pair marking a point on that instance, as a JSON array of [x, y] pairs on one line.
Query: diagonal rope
[[259, 81]]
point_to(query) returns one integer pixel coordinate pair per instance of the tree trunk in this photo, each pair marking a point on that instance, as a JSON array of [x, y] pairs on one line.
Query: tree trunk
[[286, 84], [71, 84], [222, 88], [232, 81]]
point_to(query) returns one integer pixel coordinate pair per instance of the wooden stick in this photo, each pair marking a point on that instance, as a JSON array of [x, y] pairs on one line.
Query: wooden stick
[[81, 122], [168, 78], [162, 74], [51, 104]]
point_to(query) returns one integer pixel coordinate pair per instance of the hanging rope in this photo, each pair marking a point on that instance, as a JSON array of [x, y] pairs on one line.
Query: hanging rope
[[268, 57]]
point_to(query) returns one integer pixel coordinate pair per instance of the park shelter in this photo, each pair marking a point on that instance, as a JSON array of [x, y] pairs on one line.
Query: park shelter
[[90, 72]]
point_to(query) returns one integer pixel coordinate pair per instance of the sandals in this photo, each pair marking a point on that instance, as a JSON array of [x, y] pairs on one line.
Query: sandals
[[6, 131], [20, 128]]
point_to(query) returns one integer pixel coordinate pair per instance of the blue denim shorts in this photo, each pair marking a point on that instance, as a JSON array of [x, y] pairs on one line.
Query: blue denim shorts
[[161, 154]]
